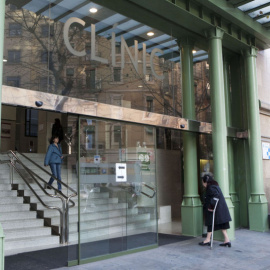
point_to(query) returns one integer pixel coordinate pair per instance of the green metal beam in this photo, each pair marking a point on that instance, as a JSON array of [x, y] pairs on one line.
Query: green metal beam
[[240, 20]]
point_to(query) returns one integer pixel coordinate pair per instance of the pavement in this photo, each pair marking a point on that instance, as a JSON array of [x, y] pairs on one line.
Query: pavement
[[250, 251]]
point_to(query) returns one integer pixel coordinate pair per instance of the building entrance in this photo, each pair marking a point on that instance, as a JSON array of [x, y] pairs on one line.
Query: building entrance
[[111, 165]]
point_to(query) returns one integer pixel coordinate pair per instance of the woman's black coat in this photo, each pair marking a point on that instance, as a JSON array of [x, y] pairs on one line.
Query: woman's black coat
[[222, 214]]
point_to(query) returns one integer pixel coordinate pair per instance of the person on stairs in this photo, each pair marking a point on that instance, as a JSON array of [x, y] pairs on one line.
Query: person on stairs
[[54, 158]]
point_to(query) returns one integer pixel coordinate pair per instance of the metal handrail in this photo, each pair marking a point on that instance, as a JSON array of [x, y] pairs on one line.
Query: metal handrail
[[64, 225], [130, 187], [149, 196]]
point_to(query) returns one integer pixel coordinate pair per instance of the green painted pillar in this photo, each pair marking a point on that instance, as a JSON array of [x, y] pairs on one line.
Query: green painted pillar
[[257, 206], [191, 209], [230, 142], [219, 126], [2, 32]]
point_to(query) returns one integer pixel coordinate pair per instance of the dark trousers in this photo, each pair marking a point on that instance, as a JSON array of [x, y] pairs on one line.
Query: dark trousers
[[56, 172]]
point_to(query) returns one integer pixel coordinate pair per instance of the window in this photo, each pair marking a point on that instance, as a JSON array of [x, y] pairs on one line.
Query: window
[[13, 81], [44, 56], [148, 76], [117, 134], [31, 122], [14, 56], [70, 71], [149, 104], [45, 83], [15, 29], [12, 7], [88, 51], [117, 48], [91, 79], [47, 30], [117, 74], [116, 100]]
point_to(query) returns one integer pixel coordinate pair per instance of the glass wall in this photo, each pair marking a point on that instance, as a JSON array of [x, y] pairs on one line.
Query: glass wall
[[84, 50], [117, 187]]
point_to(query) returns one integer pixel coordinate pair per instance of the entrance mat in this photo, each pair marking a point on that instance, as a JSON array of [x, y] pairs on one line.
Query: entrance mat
[[57, 257], [166, 239]]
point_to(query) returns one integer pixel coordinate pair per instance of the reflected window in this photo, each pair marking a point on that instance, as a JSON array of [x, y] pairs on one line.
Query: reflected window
[[117, 134], [13, 81], [148, 76], [31, 122], [12, 7], [116, 100], [45, 56], [118, 48], [88, 51], [15, 29], [117, 74], [149, 104], [47, 30], [70, 72], [91, 79], [14, 56], [46, 83]]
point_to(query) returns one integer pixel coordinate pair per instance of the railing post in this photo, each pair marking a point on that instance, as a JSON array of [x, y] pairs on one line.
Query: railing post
[[2, 253], [62, 223], [11, 171], [67, 221]]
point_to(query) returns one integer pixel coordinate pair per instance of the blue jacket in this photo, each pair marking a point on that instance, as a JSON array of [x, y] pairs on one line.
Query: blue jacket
[[53, 154]]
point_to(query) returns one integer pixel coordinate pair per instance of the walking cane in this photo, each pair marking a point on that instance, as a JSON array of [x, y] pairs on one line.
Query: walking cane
[[213, 222]]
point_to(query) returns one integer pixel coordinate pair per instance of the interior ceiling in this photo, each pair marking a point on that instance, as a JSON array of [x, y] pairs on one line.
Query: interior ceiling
[[258, 10], [106, 22]]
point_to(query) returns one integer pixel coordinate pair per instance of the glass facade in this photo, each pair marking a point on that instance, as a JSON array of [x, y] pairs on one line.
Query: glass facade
[[117, 187], [63, 48]]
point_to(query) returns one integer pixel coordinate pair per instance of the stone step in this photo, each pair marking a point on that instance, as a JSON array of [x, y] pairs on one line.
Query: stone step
[[5, 186], [18, 224], [13, 208], [106, 233], [96, 215], [26, 233], [18, 215], [8, 193], [7, 200], [120, 220], [31, 242]]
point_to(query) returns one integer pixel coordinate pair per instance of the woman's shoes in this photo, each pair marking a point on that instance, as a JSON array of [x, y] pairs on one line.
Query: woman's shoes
[[204, 244], [226, 244]]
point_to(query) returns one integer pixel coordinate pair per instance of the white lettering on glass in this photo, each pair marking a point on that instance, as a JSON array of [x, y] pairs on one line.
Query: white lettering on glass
[[66, 39], [124, 47]]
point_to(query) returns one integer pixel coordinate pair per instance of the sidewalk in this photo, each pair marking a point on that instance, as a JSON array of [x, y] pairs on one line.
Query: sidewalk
[[250, 251]]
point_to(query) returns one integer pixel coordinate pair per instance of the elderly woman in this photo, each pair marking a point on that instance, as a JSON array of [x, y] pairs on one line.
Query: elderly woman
[[222, 215]]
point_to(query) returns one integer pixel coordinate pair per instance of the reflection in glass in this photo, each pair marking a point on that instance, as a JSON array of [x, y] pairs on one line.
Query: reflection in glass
[[116, 57]]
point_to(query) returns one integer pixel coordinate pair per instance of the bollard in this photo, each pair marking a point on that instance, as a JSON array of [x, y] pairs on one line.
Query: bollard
[[2, 253]]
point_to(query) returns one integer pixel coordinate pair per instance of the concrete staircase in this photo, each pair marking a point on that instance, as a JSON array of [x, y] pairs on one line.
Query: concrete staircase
[[22, 230], [28, 225]]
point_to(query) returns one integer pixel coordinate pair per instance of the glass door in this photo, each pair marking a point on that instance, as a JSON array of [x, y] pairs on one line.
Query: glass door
[[116, 186]]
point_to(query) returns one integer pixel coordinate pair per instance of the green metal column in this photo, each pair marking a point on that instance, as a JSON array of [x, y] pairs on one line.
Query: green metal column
[[2, 32], [258, 207], [219, 126], [231, 164], [191, 209]]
